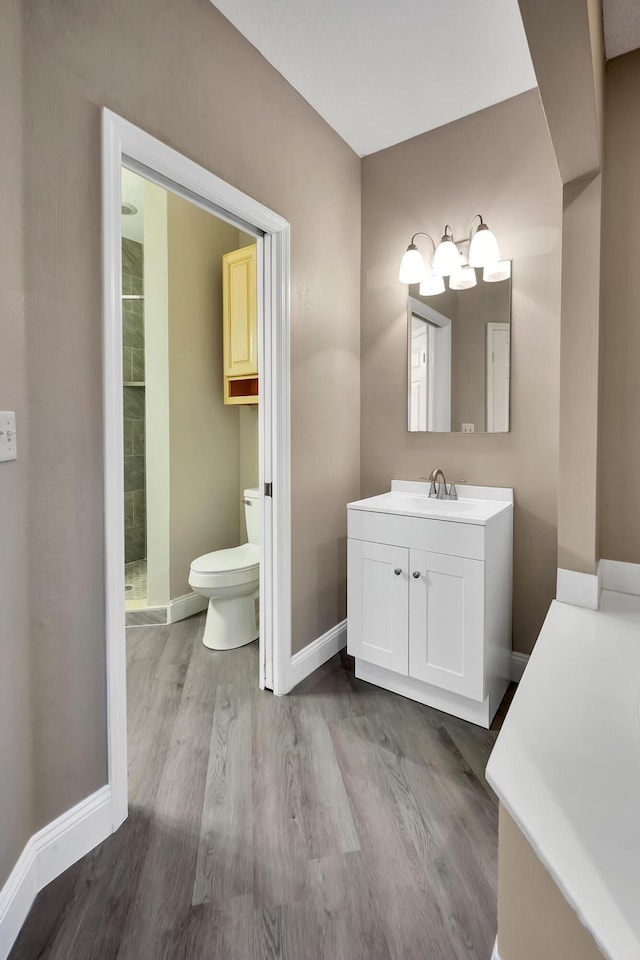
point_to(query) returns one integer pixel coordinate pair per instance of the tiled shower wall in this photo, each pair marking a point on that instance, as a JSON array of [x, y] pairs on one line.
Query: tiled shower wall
[[135, 534]]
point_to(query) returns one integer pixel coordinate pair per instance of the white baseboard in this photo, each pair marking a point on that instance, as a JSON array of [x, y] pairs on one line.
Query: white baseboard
[[518, 664], [317, 653], [49, 853], [620, 577], [495, 955], [186, 606], [578, 589]]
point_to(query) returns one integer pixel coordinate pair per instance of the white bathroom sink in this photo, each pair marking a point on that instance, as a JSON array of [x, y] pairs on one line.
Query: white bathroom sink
[[411, 498], [428, 505]]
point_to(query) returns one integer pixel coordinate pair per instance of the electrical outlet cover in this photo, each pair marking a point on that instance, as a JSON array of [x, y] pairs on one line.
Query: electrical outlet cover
[[8, 449]]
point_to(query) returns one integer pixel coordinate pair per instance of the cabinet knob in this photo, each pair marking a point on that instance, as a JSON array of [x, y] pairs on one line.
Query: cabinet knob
[[397, 571], [416, 574]]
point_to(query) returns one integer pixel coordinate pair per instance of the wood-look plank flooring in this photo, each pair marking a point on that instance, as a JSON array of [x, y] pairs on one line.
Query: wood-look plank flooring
[[341, 822]]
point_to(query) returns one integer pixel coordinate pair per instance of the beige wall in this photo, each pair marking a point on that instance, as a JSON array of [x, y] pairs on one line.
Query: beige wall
[[499, 162], [535, 922], [167, 68], [578, 547], [620, 421], [569, 65], [249, 457], [16, 803], [203, 432]]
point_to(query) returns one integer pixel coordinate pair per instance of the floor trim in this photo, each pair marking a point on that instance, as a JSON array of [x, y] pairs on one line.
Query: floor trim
[[47, 854], [518, 663], [620, 577], [578, 589], [495, 955], [186, 606], [317, 653]]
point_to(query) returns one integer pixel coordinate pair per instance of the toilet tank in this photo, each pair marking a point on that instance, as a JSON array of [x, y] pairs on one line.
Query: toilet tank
[[251, 500]]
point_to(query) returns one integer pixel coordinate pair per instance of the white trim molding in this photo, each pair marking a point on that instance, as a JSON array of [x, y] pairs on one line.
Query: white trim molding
[[578, 589], [186, 606], [124, 144], [620, 577], [519, 662], [495, 955], [316, 653], [49, 853]]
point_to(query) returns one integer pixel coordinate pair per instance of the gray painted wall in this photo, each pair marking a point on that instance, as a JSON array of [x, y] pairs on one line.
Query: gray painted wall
[[16, 811]]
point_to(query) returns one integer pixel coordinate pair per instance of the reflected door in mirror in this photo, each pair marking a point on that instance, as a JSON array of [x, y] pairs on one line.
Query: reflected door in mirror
[[459, 347]]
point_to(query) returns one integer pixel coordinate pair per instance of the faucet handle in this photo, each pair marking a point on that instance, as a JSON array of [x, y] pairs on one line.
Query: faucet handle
[[453, 493]]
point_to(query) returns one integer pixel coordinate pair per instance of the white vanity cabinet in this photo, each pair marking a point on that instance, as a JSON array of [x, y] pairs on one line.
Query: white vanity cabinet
[[429, 596]]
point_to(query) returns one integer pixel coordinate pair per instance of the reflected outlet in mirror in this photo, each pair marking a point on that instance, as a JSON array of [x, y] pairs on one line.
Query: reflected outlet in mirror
[[459, 353]]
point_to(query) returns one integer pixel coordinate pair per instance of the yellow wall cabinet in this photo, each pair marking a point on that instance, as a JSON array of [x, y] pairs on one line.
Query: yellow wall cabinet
[[240, 325]]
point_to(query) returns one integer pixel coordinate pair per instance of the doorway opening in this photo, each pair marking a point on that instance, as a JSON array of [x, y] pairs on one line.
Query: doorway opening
[[129, 306]]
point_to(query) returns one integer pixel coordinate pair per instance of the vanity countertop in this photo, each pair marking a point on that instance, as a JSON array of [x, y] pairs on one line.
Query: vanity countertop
[[566, 763], [409, 498]]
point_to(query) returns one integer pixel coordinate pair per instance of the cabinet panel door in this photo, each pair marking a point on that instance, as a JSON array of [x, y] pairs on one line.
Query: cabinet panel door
[[379, 604], [446, 622], [240, 312]]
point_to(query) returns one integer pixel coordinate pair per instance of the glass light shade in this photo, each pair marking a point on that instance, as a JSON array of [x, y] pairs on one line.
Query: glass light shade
[[412, 266], [446, 259], [497, 271], [463, 279], [431, 285], [483, 249]]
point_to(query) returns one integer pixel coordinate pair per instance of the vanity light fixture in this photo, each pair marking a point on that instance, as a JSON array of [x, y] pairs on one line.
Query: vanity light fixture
[[413, 269], [497, 271], [446, 259], [431, 285], [483, 248], [463, 279]]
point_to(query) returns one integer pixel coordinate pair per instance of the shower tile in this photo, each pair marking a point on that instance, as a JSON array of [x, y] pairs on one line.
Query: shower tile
[[133, 398], [139, 508], [137, 437], [137, 364], [127, 364], [133, 473], [132, 329], [126, 283], [131, 257], [135, 544], [128, 438], [128, 510], [136, 284]]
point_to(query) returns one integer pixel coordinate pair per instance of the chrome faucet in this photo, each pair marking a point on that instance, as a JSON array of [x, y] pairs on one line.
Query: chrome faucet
[[439, 489]]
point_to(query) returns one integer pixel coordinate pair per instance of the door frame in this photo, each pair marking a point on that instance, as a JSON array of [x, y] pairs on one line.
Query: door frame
[[439, 331], [493, 326], [124, 144]]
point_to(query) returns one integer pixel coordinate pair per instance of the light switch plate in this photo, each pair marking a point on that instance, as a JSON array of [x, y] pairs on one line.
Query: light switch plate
[[8, 435]]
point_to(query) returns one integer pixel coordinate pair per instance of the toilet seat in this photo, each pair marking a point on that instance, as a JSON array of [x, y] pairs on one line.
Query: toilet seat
[[226, 568]]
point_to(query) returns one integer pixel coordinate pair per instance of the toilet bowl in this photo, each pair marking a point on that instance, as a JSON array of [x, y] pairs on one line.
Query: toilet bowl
[[231, 580]]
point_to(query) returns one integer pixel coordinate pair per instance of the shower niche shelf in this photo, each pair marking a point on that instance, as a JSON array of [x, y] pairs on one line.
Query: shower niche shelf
[[133, 383]]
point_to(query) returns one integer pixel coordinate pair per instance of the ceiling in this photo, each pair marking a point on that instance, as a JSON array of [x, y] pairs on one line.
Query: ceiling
[[380, 72], [621, 26]]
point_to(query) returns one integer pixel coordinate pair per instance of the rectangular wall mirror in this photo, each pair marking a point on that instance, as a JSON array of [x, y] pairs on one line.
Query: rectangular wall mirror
[[459, 352]]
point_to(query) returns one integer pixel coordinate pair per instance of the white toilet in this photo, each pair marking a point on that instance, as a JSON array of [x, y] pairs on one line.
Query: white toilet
[[231, 580]]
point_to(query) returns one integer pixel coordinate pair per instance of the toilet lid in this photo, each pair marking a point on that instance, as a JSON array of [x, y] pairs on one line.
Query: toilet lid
[[228, 561]]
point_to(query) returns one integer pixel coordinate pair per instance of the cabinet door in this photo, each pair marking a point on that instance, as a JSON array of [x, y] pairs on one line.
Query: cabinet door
[[446, 622], [378, 601], [240, 312]]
